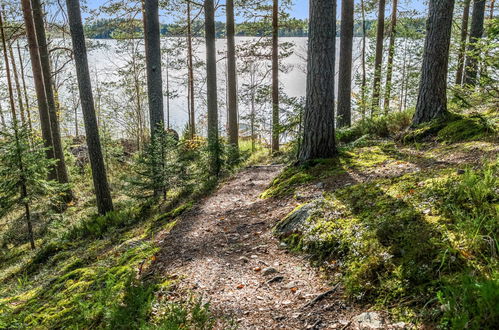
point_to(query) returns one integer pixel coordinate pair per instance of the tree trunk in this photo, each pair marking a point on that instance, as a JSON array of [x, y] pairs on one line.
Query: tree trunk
[[432, 98], [462, 46], [345, 74], [2, 118], [7, 72], [18, 85], [492, 3], [190, 67], [211, 85], [62, 173], [39, 84], [318, 125], [232, 78], [391, 55], [103, 195], [476, 32], [153, 63], [378, 61], [25, 90], [167, 91], [275, 76], [363, 59], [23, 189]]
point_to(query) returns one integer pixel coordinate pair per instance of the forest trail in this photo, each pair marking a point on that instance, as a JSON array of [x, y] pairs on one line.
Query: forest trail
[[223, 249]]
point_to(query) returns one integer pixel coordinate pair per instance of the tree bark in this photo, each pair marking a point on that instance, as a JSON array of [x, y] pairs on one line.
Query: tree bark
[[153, 64], [462, 46], [62, 173], [318, 125], [103, 195], [345, 74], [211, 85], [232, 76], [18, 85], [190, 67], [363, 59], [391, 55], [476, 32], [275, 76], [378, 61], [432, 98], [39, 84], [7, 71], [25, 90]]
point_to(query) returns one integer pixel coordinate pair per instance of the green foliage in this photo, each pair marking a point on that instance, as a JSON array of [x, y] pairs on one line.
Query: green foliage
[[135, 308], [402, 240], [23, 163], [471, 303], [388, 126], [454, 128], [156, 169]]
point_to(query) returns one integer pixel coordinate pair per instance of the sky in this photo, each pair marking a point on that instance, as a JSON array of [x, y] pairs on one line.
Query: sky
[[300, 7]]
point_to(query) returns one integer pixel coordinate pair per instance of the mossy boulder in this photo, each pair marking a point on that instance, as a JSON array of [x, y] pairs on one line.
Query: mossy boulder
[[296, 221]]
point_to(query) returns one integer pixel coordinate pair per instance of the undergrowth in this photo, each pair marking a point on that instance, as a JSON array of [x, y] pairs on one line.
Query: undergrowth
[[422, 243]]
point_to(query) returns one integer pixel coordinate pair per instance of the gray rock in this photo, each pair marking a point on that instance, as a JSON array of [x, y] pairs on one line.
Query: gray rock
[[369, 320], [320, 185], [294, 222], [269, 271]]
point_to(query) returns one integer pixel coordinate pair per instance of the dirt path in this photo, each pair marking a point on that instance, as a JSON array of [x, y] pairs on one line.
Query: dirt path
[[224, 248]]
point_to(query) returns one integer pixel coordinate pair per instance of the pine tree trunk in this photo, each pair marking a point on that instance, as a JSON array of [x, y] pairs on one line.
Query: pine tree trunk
[[103, 195], [39, 84], [153, 64], [391, 55], [432, 98], [378, 61], [363, 84], [211, 85], [7, 72], [275, 76], [318, 125], [62, 173], [18, 85], [492, 3], [2, 118], [462, 46], [232, 78], [476, 32], [345, 74], [25, 90], [190, 67]]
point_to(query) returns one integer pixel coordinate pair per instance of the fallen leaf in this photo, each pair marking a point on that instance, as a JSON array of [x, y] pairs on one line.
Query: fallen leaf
[[294, 290], [257, 269], [240, 286]]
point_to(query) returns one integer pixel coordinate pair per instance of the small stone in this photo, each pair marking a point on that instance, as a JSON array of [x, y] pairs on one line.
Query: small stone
[[320, 185], [254, 256], [291, 285], [369, 320], [269, 271], [461, 171], [400, 325]]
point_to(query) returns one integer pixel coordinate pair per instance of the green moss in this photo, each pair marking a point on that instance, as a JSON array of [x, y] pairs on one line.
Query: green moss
[[400, 239], [285, 184], [468, 128]]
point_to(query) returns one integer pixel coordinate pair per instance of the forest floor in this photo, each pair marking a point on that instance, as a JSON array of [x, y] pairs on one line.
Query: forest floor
[[402, 236], [224, 251]]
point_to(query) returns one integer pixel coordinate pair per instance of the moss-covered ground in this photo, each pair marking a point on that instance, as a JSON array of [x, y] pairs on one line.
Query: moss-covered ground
[[410, 226], [91, 271]]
